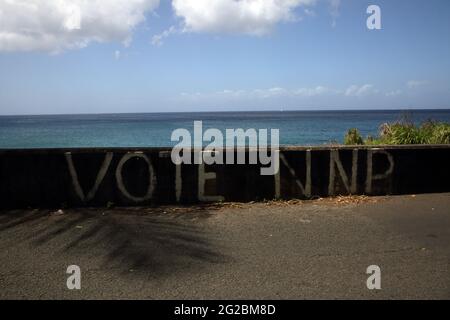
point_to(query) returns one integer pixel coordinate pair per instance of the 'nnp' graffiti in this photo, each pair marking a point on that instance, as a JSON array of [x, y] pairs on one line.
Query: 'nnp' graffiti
[[96, 177]]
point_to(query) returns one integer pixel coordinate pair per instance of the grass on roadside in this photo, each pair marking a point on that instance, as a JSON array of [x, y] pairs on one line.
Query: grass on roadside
[[403, 132]]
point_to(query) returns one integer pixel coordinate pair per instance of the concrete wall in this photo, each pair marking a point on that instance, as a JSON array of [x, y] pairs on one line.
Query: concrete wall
[[96, 177]]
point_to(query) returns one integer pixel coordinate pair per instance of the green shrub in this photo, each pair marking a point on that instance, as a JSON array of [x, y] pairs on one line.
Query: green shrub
[[353, 137], [439, 134], [371, 141], [404, 132], [401, 133]]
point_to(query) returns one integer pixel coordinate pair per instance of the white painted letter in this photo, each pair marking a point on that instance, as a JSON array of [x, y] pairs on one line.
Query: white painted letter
[[335, 161], [370, 176], [100, 176], [202, 177], [306, 190], [152, 177]]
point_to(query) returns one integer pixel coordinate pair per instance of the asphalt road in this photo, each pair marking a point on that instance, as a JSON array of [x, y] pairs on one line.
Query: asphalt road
[[318, 249]]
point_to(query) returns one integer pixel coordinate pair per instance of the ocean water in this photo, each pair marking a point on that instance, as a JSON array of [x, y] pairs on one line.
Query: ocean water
[[155, 129]]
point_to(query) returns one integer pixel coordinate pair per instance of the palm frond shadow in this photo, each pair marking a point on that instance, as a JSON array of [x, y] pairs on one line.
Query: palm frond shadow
[[147, 240]]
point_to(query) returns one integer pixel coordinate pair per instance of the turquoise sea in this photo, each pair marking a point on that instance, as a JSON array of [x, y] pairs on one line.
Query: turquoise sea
[[155, 129]]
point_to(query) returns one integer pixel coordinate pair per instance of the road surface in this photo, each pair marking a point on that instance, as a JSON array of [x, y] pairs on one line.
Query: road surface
[[306, 250]]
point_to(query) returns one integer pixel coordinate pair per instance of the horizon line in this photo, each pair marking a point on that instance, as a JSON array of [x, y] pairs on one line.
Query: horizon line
[[326, 109]]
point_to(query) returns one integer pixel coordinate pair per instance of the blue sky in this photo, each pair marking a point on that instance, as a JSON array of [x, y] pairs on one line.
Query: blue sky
[[196, 55]]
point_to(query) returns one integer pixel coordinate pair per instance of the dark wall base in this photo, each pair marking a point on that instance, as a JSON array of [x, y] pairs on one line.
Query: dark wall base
[[125, 177]]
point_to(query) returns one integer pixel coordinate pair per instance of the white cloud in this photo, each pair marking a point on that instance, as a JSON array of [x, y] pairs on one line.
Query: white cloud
[[252, 17], [355, 91], [360, 91], [334, 10], [309, 12], [157, 40], [317, 95], [58, 25], [311, 92], [117, 55], [416, 83], [394, 93], [274, 92]]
